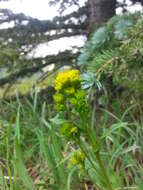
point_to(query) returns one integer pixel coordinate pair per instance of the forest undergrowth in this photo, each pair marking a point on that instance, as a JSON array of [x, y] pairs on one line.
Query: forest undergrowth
[[90, 136]]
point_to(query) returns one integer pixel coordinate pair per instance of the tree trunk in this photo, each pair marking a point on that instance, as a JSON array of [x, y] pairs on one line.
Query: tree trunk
[[99, 11]]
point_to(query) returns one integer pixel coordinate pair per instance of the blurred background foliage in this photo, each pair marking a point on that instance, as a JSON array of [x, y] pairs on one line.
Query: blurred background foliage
[[34, 153], [21, 70]]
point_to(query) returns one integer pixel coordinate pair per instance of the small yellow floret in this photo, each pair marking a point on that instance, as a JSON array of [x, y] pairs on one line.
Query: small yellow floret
[[67, 77], [58, 98], [70, 91], [77, 158]]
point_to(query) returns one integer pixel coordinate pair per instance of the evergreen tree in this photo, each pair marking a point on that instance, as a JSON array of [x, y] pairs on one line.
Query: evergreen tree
[[16, 42]]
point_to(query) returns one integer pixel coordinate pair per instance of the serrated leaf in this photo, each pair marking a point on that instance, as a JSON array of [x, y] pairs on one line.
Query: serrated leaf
[[89, 80], [100, 37], [121, 28]]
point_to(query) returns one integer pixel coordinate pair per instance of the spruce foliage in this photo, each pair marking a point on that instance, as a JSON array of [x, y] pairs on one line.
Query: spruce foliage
[[116, 51]]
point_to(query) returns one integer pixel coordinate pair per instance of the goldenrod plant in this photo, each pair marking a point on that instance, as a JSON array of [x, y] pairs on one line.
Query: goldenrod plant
[[77, 122]]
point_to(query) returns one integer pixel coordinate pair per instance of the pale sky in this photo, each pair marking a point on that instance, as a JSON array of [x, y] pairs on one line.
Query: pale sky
[[40, 9], [35, 8], [131, 8]]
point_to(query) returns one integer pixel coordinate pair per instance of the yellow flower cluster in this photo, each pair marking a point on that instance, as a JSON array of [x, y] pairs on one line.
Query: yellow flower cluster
[[59, 101], [69, 92], [58, 98], [79, 102], [66, 84], [77, 158], [69, 130], [67, 78]]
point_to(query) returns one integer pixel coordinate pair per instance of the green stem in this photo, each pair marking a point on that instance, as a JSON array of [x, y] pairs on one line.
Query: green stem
[[97, 155], [92, 140], [87, 156], [100, 165], [103, 170]]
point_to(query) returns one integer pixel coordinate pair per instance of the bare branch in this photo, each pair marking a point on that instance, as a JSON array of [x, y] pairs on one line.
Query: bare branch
[[62, 58]]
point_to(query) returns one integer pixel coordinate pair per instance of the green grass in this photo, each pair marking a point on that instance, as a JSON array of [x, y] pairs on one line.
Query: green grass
[[33, 155]]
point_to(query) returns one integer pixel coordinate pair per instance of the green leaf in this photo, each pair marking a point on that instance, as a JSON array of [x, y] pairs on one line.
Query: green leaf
[[21, 168], [100, 37], [70, 177], [122, 27], [2, 183], [89, 80], [57, 120]]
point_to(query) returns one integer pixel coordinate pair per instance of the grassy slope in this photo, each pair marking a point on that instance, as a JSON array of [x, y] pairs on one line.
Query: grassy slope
[[30, 151]]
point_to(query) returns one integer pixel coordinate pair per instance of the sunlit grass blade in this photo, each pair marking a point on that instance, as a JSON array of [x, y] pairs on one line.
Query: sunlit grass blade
[[2, 181], [70, 174], [21, 168], [17, 125], [47, 152]]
